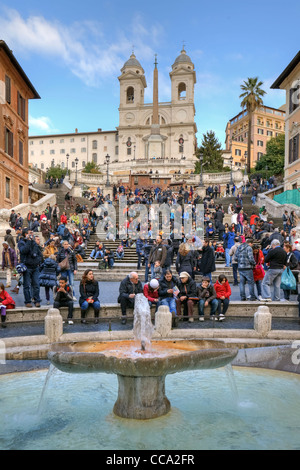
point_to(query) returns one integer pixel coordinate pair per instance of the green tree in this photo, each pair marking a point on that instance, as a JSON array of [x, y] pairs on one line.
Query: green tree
[[273, 160], [251, 100], [92, 167], [211, 149], [56, 172]]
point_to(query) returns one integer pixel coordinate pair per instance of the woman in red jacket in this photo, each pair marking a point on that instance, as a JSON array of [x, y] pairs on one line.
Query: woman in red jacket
[[258, 271], [151, 292], [6, 303], [223, 292]]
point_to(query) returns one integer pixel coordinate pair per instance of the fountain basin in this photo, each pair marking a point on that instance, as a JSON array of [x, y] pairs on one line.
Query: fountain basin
[[141, 374]]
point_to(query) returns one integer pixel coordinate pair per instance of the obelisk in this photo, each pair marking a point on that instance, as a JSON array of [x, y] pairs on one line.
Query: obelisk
[[155, 140]]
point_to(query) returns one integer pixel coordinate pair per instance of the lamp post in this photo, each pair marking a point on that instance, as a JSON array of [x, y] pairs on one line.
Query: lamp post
[[107, 170], [231, 162], [67, 156], [76, 164]]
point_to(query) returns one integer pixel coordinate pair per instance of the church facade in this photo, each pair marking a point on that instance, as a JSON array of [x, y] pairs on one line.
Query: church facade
[[160, 136]]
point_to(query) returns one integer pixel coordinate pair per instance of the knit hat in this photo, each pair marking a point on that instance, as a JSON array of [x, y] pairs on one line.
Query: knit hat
[[184, 274], [154, 284]]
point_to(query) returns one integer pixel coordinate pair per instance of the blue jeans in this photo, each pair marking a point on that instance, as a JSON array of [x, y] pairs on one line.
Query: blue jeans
[[169, 302], [68, 274], [97, 254], [213, 307], [272, 277], [246, 276], [85, 305], [227, 257], [31, 285]]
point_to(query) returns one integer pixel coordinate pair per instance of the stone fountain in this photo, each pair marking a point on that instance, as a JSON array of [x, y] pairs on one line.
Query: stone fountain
[[142, 364]]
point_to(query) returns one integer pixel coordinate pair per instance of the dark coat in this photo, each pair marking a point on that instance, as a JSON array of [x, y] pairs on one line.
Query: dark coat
[[127, 288], [13, 258], [164, 286], [207, 262], [30, 253], [90, 289], [188, 289], [49, 273], [72, 257], [185, 263]]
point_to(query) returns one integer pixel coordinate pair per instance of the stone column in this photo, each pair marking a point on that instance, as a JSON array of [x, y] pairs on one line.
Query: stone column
[[163, 321], [263, 321], [53, 325]]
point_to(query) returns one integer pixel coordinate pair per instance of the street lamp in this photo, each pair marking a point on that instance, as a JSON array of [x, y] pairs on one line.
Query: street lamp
[[76, 164], [231, 162], [107, 170]]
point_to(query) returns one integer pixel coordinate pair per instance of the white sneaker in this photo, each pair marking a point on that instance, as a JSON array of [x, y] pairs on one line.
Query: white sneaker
[[201, 318], [74, 299], [191, 319], [266, 300], [221, 317], [70, 322], [283, 300]]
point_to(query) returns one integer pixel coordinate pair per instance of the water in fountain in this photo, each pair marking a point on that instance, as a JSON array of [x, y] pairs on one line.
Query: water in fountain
[[142, 327]]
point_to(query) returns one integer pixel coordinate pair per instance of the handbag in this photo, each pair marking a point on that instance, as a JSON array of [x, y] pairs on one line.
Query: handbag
[[258, 273], [64, 264], [288, 280]]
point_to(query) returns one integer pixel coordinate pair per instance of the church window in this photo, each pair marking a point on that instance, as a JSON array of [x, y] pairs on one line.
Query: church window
[[182, 91], [130, 94]]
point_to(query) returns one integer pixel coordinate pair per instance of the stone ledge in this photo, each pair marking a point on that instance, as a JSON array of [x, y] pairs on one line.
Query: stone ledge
[[236, 309]]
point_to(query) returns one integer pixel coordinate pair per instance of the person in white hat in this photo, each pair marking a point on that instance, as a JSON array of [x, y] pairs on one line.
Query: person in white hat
[[187, 296], [151, 292]]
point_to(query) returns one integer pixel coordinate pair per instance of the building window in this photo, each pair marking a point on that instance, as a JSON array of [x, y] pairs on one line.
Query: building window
[[7, 89], [128, 150], [105, 149], [260, 131], [72, 150], [41, 142], [260, 143], [94, 157], [238, 152], [269, 133], [7, 188], [82, 139], [62, 141], [52, 152], [62, 151], [73, 164], [83, 149], [21, 106], [9, 142], [117, 150], [130, 94], [117, 138], [21, 193], [51, 141], [83, 164], [21, 152], [42, 152], [259, 155], [72, 139], [42, 166], [94, 145], [294, 96], [294, 149], [62, 164]]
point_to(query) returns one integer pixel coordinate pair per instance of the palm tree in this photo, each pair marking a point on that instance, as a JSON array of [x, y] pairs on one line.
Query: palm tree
[[251, 100]]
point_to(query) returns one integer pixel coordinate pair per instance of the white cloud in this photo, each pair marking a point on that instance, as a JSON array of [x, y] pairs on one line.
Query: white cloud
[[83, 46], [39, 124]]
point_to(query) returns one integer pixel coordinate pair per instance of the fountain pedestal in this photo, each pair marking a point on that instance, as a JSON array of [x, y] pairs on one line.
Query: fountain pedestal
[[141, 398]]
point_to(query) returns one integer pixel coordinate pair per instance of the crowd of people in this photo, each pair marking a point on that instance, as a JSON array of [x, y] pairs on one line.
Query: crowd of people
[[250, 244]]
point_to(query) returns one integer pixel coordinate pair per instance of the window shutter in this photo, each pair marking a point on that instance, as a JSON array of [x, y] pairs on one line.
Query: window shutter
[[20, 152], [7, 89]]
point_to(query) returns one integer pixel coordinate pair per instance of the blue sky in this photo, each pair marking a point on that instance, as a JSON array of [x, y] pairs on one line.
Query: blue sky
[[73, 52]]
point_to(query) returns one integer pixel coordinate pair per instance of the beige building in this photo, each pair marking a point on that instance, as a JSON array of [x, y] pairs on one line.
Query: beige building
[[266, 123], [139, 141], [289, 80]]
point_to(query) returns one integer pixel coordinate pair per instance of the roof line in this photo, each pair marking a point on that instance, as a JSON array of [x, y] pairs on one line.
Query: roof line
[[287, 71]]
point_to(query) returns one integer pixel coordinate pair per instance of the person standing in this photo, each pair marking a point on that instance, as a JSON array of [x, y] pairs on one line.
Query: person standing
[[9, 262], [207, 263], [67, 261], [158, 253], [48, 275], [246, 263], [277, 259], [32, 258]]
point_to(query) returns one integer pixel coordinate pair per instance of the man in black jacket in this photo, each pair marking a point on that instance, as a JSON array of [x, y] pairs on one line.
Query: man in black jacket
[[66, 252], [63, 297], [31, 256], [276, 258], [129, 287]]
